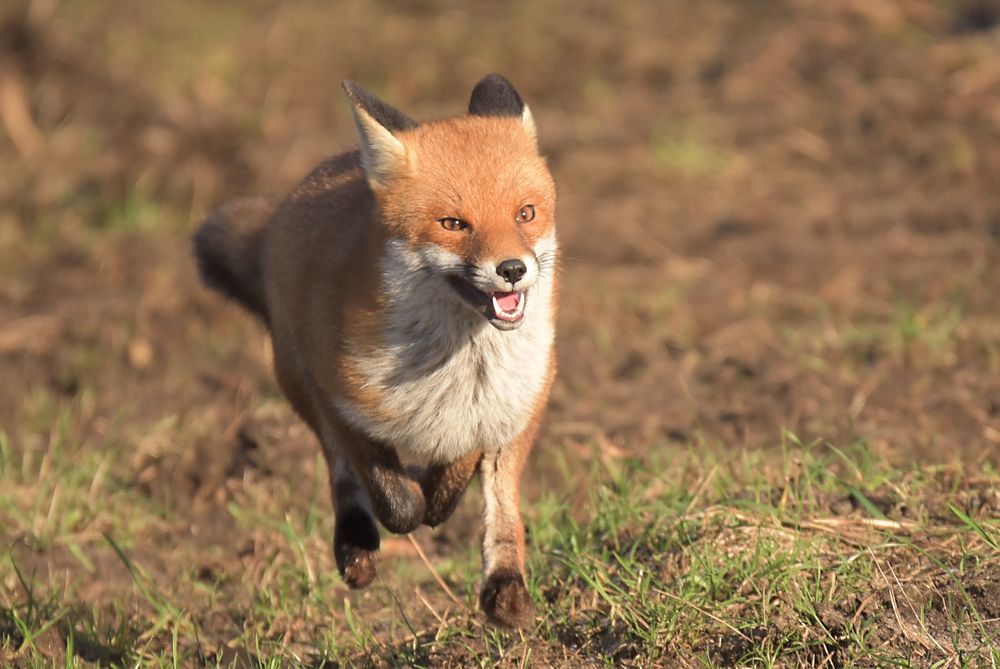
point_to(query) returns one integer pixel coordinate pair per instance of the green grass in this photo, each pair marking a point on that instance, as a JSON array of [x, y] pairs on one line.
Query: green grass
[[687, 559], [663, 571]]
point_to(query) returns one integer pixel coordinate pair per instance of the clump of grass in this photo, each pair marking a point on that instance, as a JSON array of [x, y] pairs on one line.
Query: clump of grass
[[684, 152], [138, 211], [756, 575]]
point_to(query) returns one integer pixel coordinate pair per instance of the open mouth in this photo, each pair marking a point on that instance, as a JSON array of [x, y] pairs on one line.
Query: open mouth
[[503, 309], [509, 306]]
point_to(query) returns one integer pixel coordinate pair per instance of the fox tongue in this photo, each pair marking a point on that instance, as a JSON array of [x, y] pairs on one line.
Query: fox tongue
[[507, 301]]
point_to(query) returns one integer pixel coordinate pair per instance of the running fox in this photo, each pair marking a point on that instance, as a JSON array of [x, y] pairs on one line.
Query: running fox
[[409, 287]]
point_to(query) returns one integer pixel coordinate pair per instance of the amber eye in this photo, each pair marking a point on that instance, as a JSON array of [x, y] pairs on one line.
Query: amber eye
[[527, 213], [453, 224]]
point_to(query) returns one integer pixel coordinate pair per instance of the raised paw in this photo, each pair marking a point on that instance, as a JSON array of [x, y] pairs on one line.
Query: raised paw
[[399, 505], [355, 547], [505, 600], [443, 485], [439, 509]]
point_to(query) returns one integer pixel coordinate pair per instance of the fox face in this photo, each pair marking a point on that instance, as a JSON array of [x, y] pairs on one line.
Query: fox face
[[470, 197]]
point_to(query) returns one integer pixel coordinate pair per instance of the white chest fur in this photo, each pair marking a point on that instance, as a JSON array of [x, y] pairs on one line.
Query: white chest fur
[[449, 381]]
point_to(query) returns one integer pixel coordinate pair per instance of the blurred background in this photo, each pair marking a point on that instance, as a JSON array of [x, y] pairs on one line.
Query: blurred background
[[776, 216]]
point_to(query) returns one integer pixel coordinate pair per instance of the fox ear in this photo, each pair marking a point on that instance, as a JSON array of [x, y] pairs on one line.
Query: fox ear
[[495, 96], [382, 154]]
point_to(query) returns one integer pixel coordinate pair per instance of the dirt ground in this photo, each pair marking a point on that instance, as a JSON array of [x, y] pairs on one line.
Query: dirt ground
[[776, 216]]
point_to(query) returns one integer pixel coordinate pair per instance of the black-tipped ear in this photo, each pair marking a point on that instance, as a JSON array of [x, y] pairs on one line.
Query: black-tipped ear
[[495, 96], [388, 116], [382, 153]]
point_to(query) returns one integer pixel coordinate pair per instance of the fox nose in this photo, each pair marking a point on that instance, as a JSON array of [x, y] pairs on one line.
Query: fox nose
[[512, 270]]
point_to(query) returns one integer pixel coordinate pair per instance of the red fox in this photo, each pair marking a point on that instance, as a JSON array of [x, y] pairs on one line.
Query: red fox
[[410, 290]]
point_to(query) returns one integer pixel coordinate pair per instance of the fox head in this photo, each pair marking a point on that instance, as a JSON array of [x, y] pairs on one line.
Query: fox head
[[469, 197]]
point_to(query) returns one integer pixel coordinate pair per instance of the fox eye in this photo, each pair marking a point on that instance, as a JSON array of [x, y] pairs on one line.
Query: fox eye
[[526, 213], [453, 224]]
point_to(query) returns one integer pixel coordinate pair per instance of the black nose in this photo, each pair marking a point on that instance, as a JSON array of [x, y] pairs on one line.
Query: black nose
[[512, 270]]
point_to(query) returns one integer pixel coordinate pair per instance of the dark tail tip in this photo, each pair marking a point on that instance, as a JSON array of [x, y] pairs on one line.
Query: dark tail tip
[[228, 259]]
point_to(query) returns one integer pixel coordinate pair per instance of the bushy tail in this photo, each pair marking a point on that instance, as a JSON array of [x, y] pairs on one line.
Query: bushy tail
[[227, 248]]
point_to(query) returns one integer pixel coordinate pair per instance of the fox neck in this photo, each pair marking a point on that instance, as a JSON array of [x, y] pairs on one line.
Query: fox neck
[[448, 382]]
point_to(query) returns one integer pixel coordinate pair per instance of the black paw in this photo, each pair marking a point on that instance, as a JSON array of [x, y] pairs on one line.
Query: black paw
[[355, 547], [505, 600]]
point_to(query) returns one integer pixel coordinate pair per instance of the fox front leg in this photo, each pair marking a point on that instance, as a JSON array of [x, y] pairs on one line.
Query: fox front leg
[[368, 482], [503, 596], [355, 536], [396, 497], [443, 485]]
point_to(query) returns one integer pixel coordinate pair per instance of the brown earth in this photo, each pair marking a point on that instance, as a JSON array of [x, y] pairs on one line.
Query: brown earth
[[775, 216]]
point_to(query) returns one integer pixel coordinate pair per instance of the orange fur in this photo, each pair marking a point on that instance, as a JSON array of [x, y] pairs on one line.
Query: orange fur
[[362, 289]]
